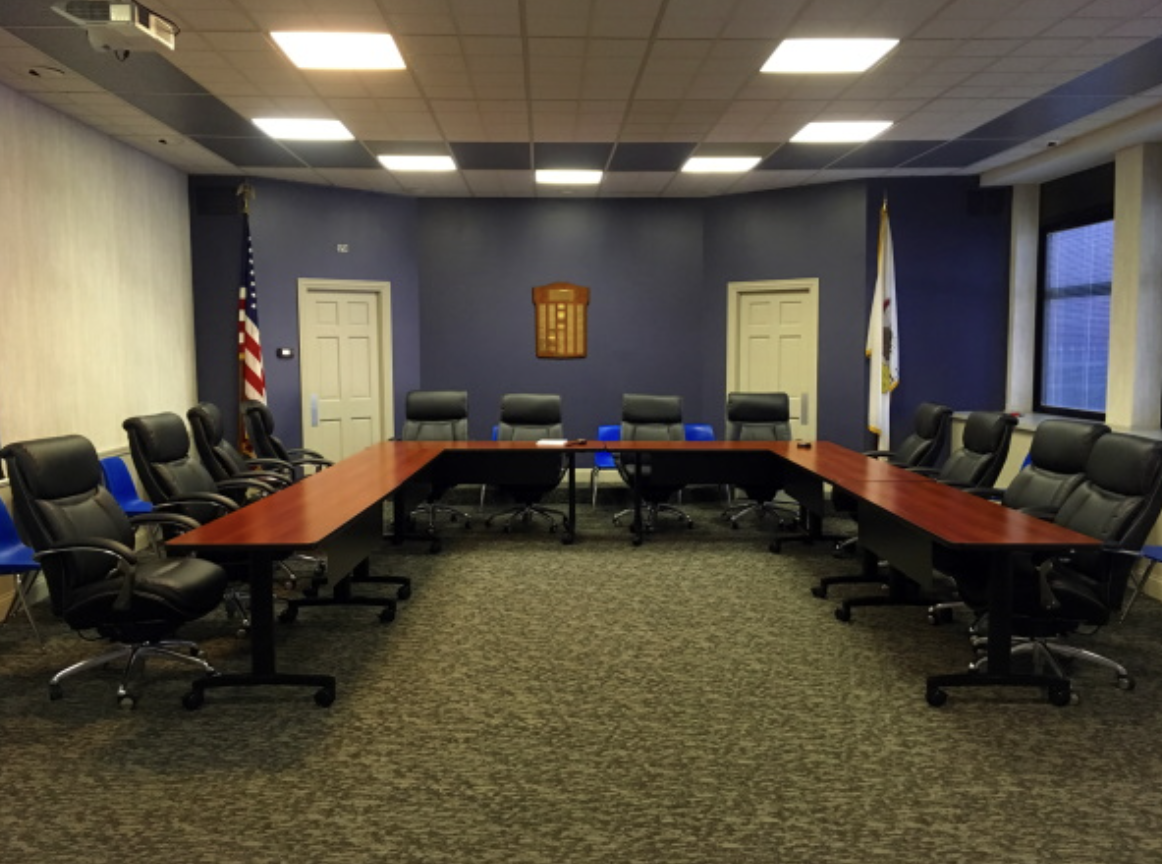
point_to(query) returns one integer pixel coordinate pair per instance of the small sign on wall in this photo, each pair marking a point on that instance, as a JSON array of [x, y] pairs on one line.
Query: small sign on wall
[[562, 330]]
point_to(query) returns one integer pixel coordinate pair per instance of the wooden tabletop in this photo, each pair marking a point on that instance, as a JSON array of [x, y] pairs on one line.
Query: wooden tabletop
[[305, 514]]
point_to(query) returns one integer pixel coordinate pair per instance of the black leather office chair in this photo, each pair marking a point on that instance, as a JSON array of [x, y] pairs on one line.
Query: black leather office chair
[[174, 480], [97, 582], [436, 415], [222, 459], [757, 417], [259, 423], [1058, 453], [977, 462], [923, 447], [531, 417], [646, 417], [1118, 502]]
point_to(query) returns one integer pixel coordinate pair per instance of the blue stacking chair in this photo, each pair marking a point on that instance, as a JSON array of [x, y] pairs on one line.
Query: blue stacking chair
[[119, 482], [602, 460], [18, 561], [701, 432]]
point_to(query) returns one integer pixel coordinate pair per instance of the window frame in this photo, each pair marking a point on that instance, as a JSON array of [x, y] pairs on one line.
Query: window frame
[[1079, 219]]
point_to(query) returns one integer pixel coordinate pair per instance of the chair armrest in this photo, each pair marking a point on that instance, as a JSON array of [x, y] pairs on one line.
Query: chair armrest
[[992, 493], [125, 562], [298, 453], [177, 520], [220, 501], [879, 454], [248, 483], [270, 466]]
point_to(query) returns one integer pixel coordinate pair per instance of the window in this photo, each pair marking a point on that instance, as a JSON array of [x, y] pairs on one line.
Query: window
[[1074, 325]]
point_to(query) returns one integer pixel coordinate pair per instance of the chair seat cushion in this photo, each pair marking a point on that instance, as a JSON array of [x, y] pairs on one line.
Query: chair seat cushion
[[168, 592]]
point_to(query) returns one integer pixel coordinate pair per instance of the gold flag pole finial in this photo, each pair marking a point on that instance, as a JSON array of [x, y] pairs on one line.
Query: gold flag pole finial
[[246, 192]]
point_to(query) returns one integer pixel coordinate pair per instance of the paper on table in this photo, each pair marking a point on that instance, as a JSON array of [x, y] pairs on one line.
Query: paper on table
[[552, 442]]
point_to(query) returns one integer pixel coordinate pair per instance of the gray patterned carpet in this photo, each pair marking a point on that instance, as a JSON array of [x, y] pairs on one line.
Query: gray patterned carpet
[[685, 702]]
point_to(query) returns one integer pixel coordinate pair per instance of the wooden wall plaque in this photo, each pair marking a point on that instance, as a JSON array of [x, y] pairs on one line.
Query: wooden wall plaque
[[562, 331]]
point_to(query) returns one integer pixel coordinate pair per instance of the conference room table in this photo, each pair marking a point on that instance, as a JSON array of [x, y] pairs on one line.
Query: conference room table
[[904, 518]]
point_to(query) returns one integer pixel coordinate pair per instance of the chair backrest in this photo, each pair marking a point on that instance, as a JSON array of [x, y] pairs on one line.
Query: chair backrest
[[606, 432], [645, 417], [984, 448], [259, 422], [435, 415], [58, 496], [925, 445], [758, 417], [1118, 502], [160, 447], [15, 555], [529, 417], [1054, 467], [221, 458], [120, 483], [698, 431]]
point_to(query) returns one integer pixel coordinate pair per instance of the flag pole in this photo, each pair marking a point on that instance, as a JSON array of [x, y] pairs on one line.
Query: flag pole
[[244, 193]]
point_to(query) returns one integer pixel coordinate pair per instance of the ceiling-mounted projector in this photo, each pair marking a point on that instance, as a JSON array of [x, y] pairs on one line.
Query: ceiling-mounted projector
[[116, 26]]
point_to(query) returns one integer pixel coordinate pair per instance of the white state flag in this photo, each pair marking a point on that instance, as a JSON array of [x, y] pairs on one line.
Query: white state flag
[[883, 345]]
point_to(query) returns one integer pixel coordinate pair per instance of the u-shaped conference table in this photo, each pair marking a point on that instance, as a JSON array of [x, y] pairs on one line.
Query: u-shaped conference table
[[904, 518]]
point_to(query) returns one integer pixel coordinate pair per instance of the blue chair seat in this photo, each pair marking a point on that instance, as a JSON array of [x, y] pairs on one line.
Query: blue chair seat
[[17, 560], [602, 459]]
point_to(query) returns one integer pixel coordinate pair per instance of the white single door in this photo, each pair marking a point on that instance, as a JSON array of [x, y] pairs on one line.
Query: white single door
[[344, 334], [773, 344]]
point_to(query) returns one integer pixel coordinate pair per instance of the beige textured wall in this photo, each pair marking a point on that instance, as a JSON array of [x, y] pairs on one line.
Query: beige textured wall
[[95, 280]]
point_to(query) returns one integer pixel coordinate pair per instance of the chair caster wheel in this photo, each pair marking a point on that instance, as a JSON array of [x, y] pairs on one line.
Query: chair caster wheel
[[387, 615], [126, 701], [404, 592], [936, 697], [434, 549], [937, 617], [637, 541], [734, 526], [55, 692], [289, 615], [194, 700], [842, 613], [1062, 695], [1125, 682], [819, 591], [690, 524], [324, 698]]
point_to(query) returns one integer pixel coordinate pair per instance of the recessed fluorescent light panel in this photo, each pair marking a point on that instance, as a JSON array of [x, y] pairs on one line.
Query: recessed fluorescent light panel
[[561, 177], [287, 129], [418, 163], [354, 51], [720, 164], [840, 133], [828, 55]]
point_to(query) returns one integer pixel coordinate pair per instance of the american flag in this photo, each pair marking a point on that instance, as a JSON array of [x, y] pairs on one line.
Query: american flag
[[253, 380]]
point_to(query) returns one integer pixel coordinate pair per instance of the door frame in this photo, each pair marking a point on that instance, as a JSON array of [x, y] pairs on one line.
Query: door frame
[[315, 285], [735, 290]]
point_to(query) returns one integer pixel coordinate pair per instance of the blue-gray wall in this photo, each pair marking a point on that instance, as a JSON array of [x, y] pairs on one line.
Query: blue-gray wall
[[462, 273]]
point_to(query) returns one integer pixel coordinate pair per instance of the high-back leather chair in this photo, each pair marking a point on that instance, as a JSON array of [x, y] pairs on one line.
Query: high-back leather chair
[[925, 444], [97, 582], [981, 456], [259, 423], [1118, 501], [436, 415], [1055, 467], [648, 417], [757, 417], [531, 417], [222, 459]]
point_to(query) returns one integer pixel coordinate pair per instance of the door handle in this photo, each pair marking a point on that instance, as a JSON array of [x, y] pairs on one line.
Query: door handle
[[314, 409]]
